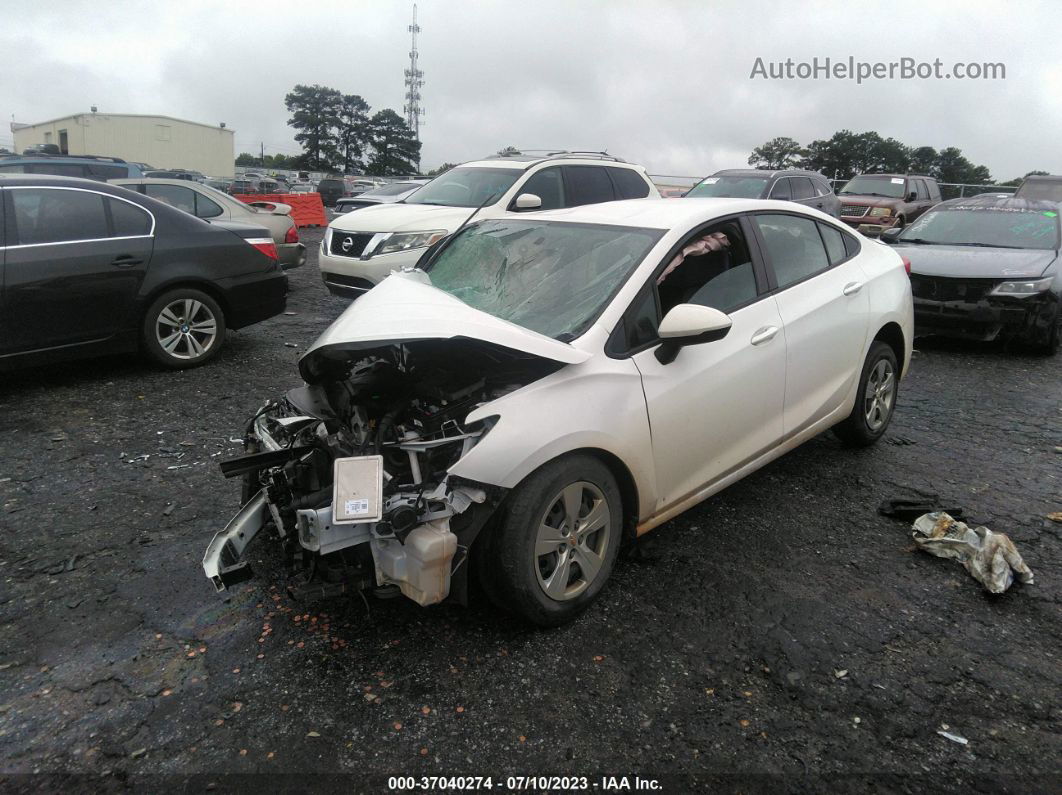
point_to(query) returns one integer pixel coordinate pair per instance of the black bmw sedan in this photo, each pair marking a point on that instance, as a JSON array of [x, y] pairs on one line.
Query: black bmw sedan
[[986, 267], [89, 268]]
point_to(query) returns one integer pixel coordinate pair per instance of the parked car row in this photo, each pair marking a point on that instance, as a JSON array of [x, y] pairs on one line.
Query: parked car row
[[90, 268]]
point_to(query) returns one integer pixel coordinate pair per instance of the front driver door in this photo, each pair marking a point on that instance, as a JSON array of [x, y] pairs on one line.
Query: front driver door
[[718, 405], [68, 278]]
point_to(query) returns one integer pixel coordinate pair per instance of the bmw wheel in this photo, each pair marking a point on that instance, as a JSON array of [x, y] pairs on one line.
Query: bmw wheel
[[183, 328], [557, 541]]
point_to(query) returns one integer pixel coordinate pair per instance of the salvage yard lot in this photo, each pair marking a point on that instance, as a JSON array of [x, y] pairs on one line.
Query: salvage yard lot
[[783, 627]]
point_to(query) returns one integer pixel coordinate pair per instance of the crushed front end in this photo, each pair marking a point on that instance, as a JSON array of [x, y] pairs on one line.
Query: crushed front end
[[984, 309], [399, 410]]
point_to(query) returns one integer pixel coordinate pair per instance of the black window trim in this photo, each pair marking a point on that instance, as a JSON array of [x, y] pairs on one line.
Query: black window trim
[[14, 228], [616, 337], [775, 289]]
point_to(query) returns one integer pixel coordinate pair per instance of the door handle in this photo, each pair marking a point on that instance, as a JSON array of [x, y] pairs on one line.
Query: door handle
[[126, 261], [852, 288], [764, 334]]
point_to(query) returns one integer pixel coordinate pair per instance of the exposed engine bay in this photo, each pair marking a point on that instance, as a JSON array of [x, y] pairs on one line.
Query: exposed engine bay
[[401, 409]]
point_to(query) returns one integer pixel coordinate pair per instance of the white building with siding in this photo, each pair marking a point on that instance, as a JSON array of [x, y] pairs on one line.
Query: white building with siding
[[160, 141]]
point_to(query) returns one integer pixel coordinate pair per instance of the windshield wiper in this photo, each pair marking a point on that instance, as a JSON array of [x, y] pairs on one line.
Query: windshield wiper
[[986, 245], [869, 193], [919, 241]]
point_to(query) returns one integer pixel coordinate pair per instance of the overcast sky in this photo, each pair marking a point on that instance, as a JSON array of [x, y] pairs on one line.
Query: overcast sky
[[664, 84]]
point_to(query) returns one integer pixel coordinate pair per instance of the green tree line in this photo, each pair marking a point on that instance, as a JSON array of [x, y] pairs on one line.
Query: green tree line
[[846, 154], [338, 134]]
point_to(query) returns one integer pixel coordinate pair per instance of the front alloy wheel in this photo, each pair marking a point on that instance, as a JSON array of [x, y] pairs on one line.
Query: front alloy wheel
[[555, 543], [573, 541]]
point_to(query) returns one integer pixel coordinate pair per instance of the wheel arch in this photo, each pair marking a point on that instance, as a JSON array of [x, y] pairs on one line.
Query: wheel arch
[[182, 284], [892, 335]]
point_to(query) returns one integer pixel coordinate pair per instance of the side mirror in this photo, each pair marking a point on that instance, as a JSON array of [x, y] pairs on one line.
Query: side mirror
[[890, 236], [527, 201], [912, 196], [689, 324]]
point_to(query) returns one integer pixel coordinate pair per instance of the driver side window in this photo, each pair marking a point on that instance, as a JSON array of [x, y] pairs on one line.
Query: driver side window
[[712, 268]]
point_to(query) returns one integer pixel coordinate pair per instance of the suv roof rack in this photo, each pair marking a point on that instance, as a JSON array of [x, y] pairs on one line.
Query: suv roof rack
[[48, 156], [551, 154]]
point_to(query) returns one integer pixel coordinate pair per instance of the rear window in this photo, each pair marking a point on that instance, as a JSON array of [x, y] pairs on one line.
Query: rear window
[[330, 184]]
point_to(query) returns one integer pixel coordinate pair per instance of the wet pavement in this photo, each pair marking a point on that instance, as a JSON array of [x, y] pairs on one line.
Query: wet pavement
[[780, 636]]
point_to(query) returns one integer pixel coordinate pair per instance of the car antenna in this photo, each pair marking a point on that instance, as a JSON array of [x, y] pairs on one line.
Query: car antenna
[[446, 240]]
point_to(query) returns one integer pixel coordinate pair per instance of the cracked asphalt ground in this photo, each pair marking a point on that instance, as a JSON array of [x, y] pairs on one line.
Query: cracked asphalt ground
[[783, 635]]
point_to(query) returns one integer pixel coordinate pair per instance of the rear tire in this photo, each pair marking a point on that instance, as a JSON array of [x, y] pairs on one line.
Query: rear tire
[[183, 328], [875, 399], [556, 543]]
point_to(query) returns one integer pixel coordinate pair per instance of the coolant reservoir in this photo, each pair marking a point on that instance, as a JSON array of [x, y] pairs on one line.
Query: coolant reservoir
[[421, 566]]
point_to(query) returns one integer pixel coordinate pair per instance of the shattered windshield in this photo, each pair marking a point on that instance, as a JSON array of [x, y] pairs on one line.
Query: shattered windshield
[[553, 278], [729, 187], [993, 227], [466, 187]]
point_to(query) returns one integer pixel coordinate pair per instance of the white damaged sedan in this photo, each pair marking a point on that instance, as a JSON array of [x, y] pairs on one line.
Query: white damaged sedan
[[543, 389]]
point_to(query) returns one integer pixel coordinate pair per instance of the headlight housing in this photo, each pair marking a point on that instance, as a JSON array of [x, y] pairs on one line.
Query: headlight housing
[[877, 212], [1018, 288], [404, 241]]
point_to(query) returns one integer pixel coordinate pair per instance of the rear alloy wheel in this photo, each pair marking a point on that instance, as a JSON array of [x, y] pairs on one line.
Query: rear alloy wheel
[[184, 328], [557, 542], [875, 399]]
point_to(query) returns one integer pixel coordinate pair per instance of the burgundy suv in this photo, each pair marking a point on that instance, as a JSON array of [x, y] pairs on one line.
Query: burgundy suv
[[872, 203]]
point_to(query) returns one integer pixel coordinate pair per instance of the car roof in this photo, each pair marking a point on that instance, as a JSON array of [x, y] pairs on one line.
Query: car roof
[[182, 183], [51, 180], [1043, 178], [522, 163], [763, 172], [993, 202], [896, 176], [660, 213]]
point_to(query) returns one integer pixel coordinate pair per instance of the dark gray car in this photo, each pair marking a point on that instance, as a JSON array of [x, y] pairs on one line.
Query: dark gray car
[[986, 267], [809, 188]]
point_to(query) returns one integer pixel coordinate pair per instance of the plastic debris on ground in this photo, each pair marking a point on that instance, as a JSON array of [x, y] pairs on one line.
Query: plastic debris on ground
[[991, 558]]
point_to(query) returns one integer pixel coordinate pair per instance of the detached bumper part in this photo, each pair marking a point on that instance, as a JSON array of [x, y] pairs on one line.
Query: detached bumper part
[[223, 561]]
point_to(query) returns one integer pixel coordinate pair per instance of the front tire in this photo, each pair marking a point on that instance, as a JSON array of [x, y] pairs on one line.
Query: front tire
[[556, 544], [875, 399], [183, 328]]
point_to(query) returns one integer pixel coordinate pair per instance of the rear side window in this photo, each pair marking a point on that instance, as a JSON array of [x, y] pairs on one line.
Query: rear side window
[[588, 185], [822, 187], [802, 188], [921, 190], [834, 240], [782, 190], [173, 195], [794, 247], [206, 207], [851, 245], [58, 215], [629, 185], [128, 220], [934, 189], [548, 185]]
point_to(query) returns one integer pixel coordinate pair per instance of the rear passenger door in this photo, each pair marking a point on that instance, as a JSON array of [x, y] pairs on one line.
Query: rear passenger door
[[819, 287], [75, 261]]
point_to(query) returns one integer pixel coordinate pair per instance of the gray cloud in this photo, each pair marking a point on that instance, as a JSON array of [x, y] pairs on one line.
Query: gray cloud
[[663, 84]]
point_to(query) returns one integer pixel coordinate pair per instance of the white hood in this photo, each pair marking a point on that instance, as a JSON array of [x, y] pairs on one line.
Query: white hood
[[404, 307], [399, 217]]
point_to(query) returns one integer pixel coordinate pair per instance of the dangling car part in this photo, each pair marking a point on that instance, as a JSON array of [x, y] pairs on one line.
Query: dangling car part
[[541, 390]]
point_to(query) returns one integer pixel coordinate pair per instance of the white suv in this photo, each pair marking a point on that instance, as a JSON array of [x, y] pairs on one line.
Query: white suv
[[360, 249]]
